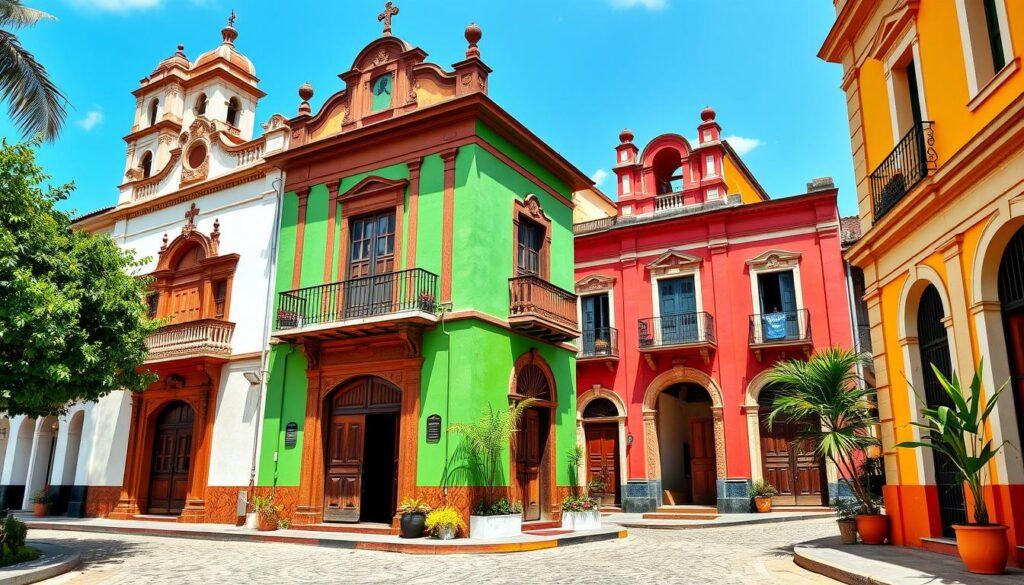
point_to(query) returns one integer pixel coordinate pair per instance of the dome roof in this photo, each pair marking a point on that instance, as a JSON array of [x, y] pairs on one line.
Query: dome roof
[[178, 58], [227, 51]]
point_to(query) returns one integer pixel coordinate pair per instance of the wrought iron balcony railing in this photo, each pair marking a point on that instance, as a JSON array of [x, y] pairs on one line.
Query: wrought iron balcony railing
[[599, 342], [541, 308], [202, 337], [781, 327], [677, 329], [909, 162], [358, 298]]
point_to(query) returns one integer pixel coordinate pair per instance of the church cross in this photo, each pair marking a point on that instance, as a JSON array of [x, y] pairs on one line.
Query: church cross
[[385, 17], [231, 19], [190, 219]]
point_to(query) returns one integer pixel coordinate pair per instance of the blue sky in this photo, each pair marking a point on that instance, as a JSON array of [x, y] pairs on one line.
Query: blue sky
[[575, 72]]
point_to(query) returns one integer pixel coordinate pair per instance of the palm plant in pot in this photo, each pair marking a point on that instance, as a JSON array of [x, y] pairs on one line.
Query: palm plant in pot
[[961, 433], [846, 516], [268, 513], [827, 389], [762, 492], [485, 443], [580, 511], [413, 517]]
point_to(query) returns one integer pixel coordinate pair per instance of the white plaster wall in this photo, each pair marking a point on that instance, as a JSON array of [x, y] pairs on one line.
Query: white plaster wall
[[104, 447], [235, 425]]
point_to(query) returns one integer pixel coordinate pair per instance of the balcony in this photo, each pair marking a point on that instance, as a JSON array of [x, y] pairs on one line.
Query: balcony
[[908, 163], [677, 333], [600, 344], [369, 305], [190, 339], [541, 309], [780, 330]]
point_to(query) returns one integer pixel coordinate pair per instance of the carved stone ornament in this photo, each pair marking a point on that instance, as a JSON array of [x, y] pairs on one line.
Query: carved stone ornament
[[773, 259], [533, 207], [382, 57], [673, 261], [595, 283], [276, 122], [190, 220]]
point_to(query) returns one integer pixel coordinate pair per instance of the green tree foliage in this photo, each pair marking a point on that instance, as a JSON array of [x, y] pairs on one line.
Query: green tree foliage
[[72, 318], [36, 104]]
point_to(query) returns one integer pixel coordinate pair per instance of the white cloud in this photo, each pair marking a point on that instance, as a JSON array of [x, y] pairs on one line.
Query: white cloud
[[114, 5], [743, 145], [599, 177], [648, 4], [92, 119]]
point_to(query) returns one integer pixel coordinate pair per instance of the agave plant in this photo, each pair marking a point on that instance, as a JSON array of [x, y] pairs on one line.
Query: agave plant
[[484, 443], [960, 433], [827, 388]]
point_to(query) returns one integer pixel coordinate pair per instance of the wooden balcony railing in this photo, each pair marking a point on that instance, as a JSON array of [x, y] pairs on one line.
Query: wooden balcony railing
[[202, 337], [358, 298], [542, 309], [909, 162]]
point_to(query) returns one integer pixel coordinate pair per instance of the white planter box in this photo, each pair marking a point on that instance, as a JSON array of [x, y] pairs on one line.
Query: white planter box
[[487, 527], [582, 520]]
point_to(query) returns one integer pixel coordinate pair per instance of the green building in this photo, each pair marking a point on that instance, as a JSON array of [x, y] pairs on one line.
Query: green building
[[425, 258]]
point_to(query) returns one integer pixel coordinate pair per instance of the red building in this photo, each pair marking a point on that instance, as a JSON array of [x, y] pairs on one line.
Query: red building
[[687, 296]]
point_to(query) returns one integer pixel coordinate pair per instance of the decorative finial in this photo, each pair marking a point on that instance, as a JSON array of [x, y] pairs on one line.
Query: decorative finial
[[707, 114], [385, 17], [626, 136], [215, 235], [190, 219], [181, 50], [228, 33], [306, 93], [163, 247], [473, 36]]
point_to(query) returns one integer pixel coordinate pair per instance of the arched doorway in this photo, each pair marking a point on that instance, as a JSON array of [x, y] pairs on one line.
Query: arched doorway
[[532, 451], [72, 448], [361, 454], [686, 444], [933, 343], [601, 434], [1011, 302], [42, 457], [788, 463], [172, 459], [16, 498]]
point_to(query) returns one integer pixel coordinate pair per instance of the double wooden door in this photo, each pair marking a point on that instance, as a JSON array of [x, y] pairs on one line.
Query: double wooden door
[[790, 465], [172, 459], [677, 299], [371, 262], [703, 469], [529, 457], [603, 459]]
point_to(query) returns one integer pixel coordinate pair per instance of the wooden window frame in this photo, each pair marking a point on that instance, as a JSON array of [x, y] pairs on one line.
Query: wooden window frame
[[371, 195], [530, 209]]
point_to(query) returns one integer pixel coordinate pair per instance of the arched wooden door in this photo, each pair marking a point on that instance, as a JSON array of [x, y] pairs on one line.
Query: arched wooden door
[[361, 458], [172, 459], [601, 432], [531, 450], [788, 463], [1011, 298]]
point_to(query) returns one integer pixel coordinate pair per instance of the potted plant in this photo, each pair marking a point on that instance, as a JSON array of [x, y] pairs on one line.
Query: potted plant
[[445, 522], [414, 517], [846, 517], [268, 514], [41, 501], [960, 432], [827, 389], [762, 492], [600, 345], [485, 443], [427, 302], [580, 511]]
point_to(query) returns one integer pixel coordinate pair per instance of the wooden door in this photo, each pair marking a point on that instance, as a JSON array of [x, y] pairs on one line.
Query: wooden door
[[790, 465], [172, 458], [702, 462], [343, 477], [603, 459], [529, 453], [677, 299], [371, 260], [184, 304]]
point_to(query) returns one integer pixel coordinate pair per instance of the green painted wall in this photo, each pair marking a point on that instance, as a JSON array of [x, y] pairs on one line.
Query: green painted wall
[[314, 242], [482, 357], [431, 209], [286, 402]]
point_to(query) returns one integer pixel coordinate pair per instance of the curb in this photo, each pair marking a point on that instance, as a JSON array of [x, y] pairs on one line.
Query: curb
[[54, 560], [342, 543], [722, 524], [832, 572]]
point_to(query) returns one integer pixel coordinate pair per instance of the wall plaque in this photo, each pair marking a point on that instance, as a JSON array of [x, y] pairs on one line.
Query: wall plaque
[[434, 428], [291, 435]]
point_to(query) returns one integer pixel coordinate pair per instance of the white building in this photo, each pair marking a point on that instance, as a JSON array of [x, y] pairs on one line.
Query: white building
[[197, 200]]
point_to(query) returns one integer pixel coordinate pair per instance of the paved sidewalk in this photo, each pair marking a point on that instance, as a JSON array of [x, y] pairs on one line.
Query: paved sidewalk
[[638, 521], [862, 564], [535, 540]]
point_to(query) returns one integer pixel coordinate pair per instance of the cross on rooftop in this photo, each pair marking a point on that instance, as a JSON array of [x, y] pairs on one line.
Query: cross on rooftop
[[389, 11]]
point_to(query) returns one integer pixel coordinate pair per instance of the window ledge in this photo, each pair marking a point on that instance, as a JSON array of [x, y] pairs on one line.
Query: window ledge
[[993, 84]]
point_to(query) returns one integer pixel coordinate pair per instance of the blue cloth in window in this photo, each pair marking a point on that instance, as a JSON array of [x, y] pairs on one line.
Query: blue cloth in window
[[774, 325]]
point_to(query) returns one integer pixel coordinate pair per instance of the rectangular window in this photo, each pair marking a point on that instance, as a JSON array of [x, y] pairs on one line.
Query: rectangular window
[[625, 184], [627, 210], [677, 304], [531, 240], [381, 89], [707, 136], [982, 23], [152, 302], [623, 155], [371, 259], [713, 193], [709, 162], [995, 37], [220, 295], [779, 315], [596, 324]]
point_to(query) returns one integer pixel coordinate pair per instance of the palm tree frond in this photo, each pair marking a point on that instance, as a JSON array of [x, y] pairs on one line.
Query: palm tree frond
[[35, 102], [14, 14]]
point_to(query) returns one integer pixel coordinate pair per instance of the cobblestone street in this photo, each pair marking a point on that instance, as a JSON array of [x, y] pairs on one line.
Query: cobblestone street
[[749, 555]]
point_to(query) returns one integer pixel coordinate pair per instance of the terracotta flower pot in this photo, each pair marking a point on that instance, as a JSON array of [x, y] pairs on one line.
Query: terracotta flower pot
[[873, 528], [40, 510], [983, 549], [265, 523], [847, 531], [763, 504]]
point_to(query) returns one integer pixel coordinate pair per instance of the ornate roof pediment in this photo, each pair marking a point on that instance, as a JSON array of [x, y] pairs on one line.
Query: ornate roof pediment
[[673, 260], [891, 29], [373, 185], [595, 283], [774, 259]]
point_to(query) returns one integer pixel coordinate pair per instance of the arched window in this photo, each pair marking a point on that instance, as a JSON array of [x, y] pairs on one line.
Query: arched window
[[146, 164], [532, 383], [934, 346], [200, 107], [600, 408], [232, 117], [154, 105], [668, 171]]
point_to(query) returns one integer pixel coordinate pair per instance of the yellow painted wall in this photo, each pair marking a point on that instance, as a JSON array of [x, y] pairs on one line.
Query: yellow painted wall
[[740, 183], [874, 101]]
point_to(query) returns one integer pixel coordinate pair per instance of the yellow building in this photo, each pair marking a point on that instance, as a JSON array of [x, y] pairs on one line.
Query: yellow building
[[935, 95]]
